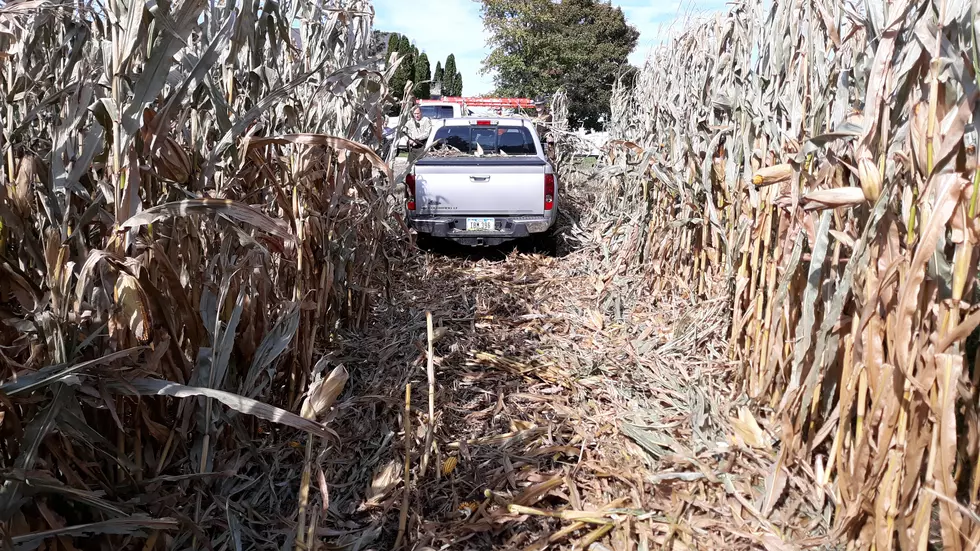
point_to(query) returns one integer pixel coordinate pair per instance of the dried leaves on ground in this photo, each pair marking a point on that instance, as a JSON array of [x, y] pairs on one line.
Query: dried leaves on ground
[[567, 411]]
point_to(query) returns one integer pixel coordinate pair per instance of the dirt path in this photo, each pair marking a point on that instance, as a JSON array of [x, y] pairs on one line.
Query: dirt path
[[551, 393], [577, 404]]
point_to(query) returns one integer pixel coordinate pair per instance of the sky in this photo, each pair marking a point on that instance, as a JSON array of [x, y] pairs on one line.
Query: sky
[[443, 27]]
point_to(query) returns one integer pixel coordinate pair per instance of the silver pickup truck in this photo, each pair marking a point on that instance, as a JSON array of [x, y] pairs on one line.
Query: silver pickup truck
[[482, 182]]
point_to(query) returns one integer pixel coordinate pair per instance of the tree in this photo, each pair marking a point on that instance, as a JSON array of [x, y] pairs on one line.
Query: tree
[[437, 75], [406, 71], [394, 41], [422, 76], [415, 67], [539, 46], [449, 76], [404, 44], [458, 85]]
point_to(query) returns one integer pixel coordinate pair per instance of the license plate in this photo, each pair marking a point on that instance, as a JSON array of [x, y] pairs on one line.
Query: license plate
[[480, 224]]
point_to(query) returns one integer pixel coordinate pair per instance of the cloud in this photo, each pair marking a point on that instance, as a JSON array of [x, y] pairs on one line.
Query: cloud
[[443, 27]]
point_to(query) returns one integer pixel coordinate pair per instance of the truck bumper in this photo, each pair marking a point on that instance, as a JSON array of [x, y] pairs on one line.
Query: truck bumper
[[508, 228]]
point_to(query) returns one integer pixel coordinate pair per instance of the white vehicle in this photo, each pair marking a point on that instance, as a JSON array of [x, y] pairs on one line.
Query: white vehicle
[[482, 182], [435, 109]]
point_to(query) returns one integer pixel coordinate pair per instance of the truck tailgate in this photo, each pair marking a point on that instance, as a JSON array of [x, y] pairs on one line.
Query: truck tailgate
[[497, 186]]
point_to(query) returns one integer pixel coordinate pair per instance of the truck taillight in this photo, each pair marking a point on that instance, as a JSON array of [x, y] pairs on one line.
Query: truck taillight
[[549, 191], [410, 192]]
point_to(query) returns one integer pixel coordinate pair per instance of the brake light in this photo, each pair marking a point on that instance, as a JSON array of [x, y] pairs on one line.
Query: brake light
[[484, 123], [410, 192], [549, 191]]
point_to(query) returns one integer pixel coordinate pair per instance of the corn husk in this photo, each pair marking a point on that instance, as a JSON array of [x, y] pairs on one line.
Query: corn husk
[[821, 199], [772, 174]]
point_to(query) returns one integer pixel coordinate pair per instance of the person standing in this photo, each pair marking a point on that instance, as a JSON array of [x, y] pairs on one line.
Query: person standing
[[418, 128]]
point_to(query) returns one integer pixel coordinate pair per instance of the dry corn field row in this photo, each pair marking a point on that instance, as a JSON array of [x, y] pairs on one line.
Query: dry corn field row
[[216, 332], [816, 163]]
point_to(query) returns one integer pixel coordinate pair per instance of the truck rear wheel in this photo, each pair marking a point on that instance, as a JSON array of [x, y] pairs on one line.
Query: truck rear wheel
[[546, 242], [424, 241]]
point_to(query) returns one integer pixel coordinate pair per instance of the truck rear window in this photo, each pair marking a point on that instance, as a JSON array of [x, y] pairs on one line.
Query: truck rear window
[[508, 140], [437, 111]]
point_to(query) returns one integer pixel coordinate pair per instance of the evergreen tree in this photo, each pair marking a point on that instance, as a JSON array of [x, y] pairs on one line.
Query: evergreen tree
[[422, 76], [458, 85], [405, 46], [437, 75], [449, 76], [415, 67], [406, 70], [393, 42], [415, 64]]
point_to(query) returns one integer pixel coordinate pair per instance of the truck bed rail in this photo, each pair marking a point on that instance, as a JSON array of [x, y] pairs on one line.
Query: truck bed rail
[[481, 161]]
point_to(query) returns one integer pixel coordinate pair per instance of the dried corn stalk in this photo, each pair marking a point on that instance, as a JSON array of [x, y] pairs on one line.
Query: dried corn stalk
[[189, 203], [816, 163]]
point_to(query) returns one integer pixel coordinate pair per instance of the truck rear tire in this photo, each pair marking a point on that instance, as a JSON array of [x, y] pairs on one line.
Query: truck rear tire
[[424, 241], [547, 242]]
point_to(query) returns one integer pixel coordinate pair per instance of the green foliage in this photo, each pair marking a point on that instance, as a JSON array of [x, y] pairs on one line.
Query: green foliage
[[416, 68], [450, 76], [404, 44], [394, 40], [540, 46], [437, 75], [405, 71], [422, 76]]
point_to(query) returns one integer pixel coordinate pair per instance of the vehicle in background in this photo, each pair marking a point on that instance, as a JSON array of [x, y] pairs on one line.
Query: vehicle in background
[[457, 107], [433, 110], [491, 103], [482, 182], [439, 109]]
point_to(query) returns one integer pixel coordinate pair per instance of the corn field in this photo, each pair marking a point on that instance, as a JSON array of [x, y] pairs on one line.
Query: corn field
[[194, 210], [191, 206], [816, 163]]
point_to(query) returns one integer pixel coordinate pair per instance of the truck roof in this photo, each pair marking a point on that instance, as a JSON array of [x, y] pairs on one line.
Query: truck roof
[[497, 120]]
